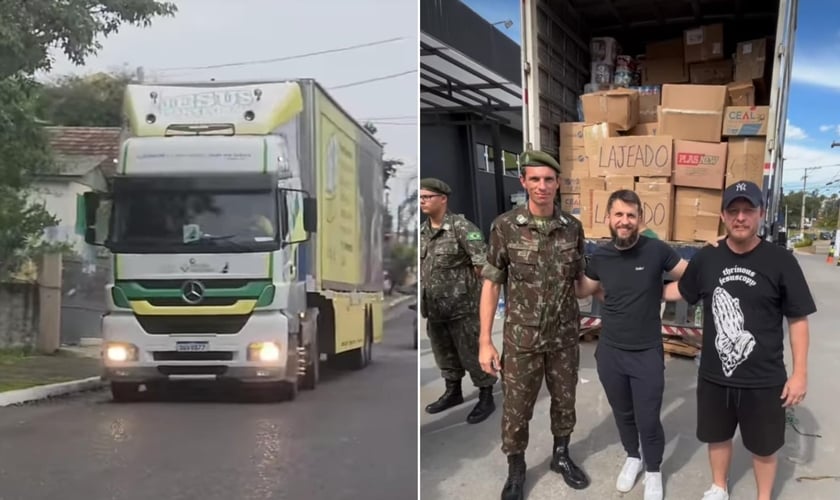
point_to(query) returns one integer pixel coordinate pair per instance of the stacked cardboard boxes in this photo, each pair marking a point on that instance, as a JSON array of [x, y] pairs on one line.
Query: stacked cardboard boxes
[[678, 141]]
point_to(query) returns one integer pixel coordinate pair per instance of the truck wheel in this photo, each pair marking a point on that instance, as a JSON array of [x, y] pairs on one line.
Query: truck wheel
[[313, 367], [125, 391], [358, 359]]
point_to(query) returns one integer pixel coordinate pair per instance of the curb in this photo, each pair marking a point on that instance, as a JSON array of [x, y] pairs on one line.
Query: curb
[[19, 396], [10, 398]]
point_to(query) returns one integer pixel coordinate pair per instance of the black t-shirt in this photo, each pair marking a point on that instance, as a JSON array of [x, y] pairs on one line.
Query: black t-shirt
[[632, 280], [745, 297]]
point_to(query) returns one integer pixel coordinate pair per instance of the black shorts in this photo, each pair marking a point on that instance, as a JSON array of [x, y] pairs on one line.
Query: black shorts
[[758, 412]]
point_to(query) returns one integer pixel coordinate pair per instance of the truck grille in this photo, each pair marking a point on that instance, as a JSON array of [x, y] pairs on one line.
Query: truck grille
[[193, 356], [213, 324]]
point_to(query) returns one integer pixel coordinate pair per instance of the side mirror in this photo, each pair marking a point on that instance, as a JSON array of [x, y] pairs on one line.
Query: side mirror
[[87, 218], [294, 227], [310, 214]]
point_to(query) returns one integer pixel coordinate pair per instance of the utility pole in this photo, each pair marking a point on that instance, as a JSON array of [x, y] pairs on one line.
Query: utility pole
[[837, 232], [802, 218]]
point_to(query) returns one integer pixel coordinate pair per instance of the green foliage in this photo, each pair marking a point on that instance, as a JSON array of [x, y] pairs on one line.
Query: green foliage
[[84, 101], [400, 259], [28, 30], [804, 243], [389, 165]]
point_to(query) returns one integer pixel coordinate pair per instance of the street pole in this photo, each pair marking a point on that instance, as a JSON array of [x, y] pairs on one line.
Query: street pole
[[837, 231], [802, 218]]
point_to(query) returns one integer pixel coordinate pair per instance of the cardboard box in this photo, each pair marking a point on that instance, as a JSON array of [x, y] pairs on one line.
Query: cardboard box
[[692, 112], [647, 156], [593, 137], [653, 184], [619, 107], [711, 73], [645, 129], [594, 212], [592, 184], [570, 180], [745, 121], [666, 49], [740, 94], [745, 160], [699, 164], [570, 203], [650, 98], [704, 43], [615, 182], [571, 135], [657, 209], [751, 59], [660, 71], [696, 214], [572, 159]]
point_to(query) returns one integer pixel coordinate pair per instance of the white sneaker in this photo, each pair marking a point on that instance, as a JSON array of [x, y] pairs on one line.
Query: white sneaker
[[716, 493], [653, 486], [629, 472]]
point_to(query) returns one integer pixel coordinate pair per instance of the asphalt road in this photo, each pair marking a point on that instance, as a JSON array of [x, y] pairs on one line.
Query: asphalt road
[[354, 437], [460, 461]]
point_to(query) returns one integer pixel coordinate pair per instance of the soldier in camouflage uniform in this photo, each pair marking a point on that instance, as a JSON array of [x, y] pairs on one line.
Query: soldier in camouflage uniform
[[452, 253], [536, 252]]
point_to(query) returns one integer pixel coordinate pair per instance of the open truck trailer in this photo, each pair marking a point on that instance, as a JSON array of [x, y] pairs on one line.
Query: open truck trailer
[[556, 57]]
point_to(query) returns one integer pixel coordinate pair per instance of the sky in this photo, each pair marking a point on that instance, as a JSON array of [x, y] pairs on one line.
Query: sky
[[814, 102], [253, 30]]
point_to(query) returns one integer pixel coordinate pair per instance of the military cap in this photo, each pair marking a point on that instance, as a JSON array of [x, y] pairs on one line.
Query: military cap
[[538, 159], [436, 185]]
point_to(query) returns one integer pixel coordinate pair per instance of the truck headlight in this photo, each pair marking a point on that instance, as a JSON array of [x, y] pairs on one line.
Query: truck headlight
[[120, 352], [264, 351]]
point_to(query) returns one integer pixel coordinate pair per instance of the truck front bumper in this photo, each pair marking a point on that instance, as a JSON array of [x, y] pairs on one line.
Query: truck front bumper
[[162, 357]]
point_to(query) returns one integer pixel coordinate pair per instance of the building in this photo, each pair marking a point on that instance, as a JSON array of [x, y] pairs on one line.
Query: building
[[470, 109], [86, 159]]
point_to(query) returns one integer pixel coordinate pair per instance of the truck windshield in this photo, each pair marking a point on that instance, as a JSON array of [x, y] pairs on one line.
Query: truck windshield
[[195, 221]]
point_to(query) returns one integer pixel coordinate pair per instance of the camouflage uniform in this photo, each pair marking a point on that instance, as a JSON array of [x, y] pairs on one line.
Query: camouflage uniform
[[538, 260], [450, 292]]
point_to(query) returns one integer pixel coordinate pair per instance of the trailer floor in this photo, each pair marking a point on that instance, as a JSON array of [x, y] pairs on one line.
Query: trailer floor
[[461, 461]]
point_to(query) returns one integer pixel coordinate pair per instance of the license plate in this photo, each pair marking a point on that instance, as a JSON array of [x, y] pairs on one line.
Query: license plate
[[191, 346]]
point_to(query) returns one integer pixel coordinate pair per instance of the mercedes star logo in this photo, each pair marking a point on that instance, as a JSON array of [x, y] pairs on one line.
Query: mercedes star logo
[[192, 292]]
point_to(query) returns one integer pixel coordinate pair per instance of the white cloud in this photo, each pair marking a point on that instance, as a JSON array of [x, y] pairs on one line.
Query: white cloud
[[826, 128], [800, 155], [818, 71], [794, 132]]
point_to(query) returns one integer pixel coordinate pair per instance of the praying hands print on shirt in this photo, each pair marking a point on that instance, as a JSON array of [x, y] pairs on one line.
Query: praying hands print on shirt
[[734, 344]]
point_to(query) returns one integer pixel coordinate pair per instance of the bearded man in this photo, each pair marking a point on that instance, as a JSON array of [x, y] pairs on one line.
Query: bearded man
[[628, 273]]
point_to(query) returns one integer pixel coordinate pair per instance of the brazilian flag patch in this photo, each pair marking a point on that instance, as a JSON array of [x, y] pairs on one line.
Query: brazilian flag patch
[[473, 236]]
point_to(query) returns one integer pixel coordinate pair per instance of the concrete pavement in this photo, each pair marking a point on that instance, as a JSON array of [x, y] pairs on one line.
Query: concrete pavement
[[462, 461], [354, 437]]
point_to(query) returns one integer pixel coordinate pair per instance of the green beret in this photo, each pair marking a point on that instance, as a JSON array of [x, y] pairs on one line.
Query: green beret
[[538, 159], [436, 185]]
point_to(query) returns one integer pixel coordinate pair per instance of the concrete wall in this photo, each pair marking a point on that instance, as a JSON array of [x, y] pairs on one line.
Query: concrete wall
[[19, 311]]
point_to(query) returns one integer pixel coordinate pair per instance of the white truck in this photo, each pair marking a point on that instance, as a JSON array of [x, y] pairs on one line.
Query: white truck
[[244, 224], [555, 65]]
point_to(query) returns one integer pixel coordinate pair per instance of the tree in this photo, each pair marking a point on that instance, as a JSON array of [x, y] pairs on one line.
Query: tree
[[84, 101], [29, 30], [389, 165]]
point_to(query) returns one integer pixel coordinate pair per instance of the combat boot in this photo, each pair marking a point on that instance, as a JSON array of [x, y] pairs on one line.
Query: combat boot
[[484, 407], [451, 397], [562, 464], [515, 485]]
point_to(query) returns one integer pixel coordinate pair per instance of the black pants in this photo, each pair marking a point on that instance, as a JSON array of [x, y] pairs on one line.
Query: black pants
[[633, 382]]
